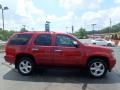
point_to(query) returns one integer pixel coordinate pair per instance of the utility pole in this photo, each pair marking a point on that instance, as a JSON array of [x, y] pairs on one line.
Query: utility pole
[[110, 28], [3, 8], [93, 25], [72, 29]]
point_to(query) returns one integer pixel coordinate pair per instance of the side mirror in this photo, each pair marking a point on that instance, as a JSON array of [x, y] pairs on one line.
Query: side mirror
[[76, 44]]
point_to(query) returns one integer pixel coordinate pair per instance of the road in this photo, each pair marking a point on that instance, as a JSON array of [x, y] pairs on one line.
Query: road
[[58, 79]]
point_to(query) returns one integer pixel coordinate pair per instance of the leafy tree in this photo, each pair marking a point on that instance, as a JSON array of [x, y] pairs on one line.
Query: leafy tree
[[5, 34], [113, 29], [81, 33]]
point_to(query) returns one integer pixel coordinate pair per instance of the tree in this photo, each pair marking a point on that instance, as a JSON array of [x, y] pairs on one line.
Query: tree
[[115, 28], [5, 34], [81, 33], [23, 29]]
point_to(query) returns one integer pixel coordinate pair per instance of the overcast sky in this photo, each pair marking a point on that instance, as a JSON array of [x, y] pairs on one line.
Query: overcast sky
[[61, 14]]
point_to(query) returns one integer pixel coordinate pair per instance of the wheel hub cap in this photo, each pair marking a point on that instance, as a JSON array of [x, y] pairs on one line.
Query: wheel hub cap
[[25, 66], [97, 69]]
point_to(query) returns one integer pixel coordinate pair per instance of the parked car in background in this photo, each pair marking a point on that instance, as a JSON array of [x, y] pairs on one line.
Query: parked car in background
[[29, 49], [2, 42], [103, 42]]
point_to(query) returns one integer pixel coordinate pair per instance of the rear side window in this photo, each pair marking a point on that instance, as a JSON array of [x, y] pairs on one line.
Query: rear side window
[[20, 39], [43, 39]]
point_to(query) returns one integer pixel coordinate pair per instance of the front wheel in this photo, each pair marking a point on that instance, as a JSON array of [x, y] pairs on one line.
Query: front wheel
[[97, 68], [25, 66]]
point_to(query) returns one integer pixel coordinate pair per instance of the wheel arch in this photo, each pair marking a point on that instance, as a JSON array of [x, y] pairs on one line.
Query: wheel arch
[[104, 58], [20, 55]]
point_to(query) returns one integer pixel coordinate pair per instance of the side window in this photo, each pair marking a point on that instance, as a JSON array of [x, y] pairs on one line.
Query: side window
[[43, 39], [63, 40], [20, 39]]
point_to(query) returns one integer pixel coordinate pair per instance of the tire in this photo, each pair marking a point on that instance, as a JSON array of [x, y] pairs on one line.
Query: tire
[[94, 43], [97, 68], [109, 44], [25, 66]]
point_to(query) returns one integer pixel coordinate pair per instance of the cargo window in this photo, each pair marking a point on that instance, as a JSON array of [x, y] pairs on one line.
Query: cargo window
[[20, 39]]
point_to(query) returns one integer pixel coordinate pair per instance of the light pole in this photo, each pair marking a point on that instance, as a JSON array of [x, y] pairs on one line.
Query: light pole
[[3, 8], [110, 28]]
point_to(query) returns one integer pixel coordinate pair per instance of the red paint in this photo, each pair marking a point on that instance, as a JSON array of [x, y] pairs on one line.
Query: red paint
[[58, 55]]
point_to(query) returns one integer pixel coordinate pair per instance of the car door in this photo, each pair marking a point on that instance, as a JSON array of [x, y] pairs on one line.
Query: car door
[[42, 49], [65, 53], [101, 42]]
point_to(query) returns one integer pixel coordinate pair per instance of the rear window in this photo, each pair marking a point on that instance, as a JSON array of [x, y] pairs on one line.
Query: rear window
[[20, 39], [43, 39]]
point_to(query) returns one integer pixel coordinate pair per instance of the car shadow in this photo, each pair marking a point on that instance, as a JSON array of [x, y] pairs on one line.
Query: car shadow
[[62, 76]]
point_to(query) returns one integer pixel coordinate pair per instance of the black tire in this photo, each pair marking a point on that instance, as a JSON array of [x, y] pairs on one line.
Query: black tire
[[109, 44], [31, 63], [94, 43], [90, 66]]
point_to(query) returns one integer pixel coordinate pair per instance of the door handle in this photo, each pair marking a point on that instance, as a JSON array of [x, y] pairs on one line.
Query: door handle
[[35, 49], [58, 50]]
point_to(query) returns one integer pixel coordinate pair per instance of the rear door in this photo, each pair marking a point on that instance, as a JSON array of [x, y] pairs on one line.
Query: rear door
[[42, 49]]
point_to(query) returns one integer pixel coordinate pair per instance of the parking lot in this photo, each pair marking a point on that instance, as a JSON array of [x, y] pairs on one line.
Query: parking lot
[[58, 79]]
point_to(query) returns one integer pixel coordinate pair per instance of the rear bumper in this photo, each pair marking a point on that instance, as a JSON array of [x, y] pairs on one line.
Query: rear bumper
[[112, 63], [9, 59]]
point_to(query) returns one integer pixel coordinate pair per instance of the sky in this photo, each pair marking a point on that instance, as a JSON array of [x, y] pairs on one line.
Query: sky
[[61, 13]]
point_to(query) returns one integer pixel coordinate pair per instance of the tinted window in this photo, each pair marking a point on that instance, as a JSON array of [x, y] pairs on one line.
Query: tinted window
[[63, 40], [20, 39], [99, 40], [43, 39]]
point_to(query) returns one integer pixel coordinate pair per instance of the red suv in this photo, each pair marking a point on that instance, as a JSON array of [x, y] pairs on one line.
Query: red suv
[[29, 49]]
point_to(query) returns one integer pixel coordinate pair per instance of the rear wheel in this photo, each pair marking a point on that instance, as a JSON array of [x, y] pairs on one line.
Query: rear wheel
[[97, 68], [25, 66]]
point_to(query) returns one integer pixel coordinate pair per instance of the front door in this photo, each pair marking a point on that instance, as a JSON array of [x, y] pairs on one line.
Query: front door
[[65, 53]]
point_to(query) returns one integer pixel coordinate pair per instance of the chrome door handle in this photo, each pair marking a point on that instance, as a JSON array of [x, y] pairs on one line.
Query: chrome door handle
[[58, 50], [35, 49]]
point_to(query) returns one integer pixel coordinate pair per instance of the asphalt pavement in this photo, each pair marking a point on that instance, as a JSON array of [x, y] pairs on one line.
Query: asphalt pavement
[[58, 79]]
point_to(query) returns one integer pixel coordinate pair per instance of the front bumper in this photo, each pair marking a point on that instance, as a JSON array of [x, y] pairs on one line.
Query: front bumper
[[112, 63]]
